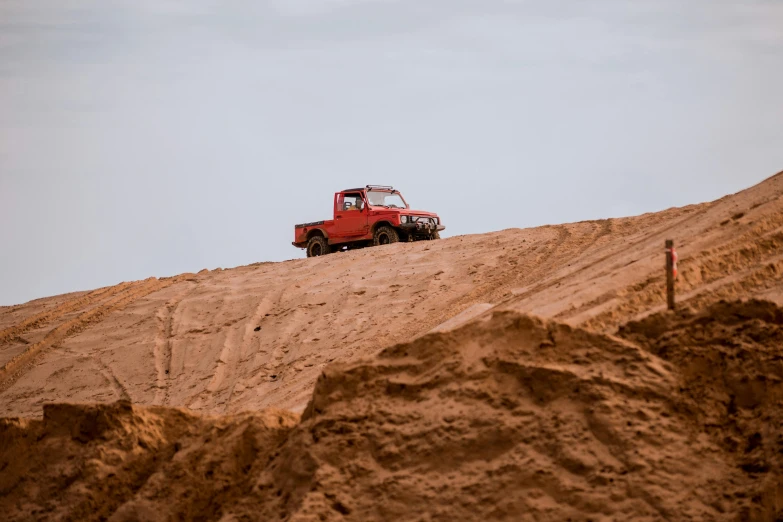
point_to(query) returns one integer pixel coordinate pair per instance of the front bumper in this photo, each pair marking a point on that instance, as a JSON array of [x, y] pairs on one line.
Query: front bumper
[[421, 228]]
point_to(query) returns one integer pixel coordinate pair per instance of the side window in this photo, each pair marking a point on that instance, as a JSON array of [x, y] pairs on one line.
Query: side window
[[351, 202]]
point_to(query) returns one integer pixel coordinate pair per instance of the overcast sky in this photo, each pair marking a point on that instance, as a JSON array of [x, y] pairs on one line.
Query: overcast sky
[[149, 137]]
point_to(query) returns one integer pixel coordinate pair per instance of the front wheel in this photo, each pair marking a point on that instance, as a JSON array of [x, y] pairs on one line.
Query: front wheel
[[385, 236], [317, 246]]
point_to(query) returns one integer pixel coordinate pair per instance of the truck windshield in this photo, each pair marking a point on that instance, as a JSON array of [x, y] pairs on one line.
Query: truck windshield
[[385, 199]]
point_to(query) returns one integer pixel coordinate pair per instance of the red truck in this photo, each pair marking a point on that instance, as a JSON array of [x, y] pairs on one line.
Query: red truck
[[373, 215]]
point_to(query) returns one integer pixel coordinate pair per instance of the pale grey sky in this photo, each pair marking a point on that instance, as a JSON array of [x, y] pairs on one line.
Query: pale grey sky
[[148, 137]]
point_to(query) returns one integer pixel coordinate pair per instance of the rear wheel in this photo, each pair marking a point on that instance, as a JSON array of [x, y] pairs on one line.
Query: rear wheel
[[317, 246], [385, 236]]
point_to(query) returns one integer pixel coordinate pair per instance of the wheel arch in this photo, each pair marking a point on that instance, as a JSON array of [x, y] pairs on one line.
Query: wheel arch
[[317, 232], [380, 224]]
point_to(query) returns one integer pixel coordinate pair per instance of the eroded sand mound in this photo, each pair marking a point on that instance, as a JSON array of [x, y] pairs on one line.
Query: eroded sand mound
[[132, 463], [730, 365], [505, 418]]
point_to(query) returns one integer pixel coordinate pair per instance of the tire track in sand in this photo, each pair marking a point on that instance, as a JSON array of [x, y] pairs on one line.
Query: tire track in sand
[[734, 264], [110, 376], [654, 233], [163, 348], [237, 346], [16, 367], [71, 305], [265, 306], [485, 292]]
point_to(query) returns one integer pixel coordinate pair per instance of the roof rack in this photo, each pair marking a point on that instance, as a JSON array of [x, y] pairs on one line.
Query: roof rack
[[384, 187]]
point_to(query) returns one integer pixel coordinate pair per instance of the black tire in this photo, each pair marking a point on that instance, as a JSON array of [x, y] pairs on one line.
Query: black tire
[[317, 246], [436, 235], [385, 236]]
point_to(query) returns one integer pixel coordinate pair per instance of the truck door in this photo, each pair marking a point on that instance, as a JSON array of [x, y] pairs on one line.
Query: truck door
[[351, 215]]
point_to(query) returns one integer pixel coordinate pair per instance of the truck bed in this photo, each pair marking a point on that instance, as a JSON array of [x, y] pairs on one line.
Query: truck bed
[[313, 224]]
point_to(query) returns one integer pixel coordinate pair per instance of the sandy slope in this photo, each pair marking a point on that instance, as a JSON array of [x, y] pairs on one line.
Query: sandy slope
[[251, 337], [608, 408]]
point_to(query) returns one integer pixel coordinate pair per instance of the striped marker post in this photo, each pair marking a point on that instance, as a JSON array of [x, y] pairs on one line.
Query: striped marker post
[[671, 273]]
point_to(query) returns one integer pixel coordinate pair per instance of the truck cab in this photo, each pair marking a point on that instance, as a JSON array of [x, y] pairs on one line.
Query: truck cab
[[368, 216]]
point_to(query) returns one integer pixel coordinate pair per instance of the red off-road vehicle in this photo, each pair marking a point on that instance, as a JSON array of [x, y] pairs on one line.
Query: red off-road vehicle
[[373, 215]]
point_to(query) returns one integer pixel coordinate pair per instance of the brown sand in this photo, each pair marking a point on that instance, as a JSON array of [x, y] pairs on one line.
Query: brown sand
[[506, 417]]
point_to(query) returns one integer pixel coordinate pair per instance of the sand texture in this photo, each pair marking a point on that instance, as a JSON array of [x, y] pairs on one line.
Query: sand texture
[[504, 418], [523, 374]]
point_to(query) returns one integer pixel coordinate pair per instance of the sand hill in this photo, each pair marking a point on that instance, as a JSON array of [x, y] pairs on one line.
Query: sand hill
[[553, 384]]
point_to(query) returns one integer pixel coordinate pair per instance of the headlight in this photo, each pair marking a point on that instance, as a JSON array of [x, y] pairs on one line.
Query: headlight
[[403, 219]]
